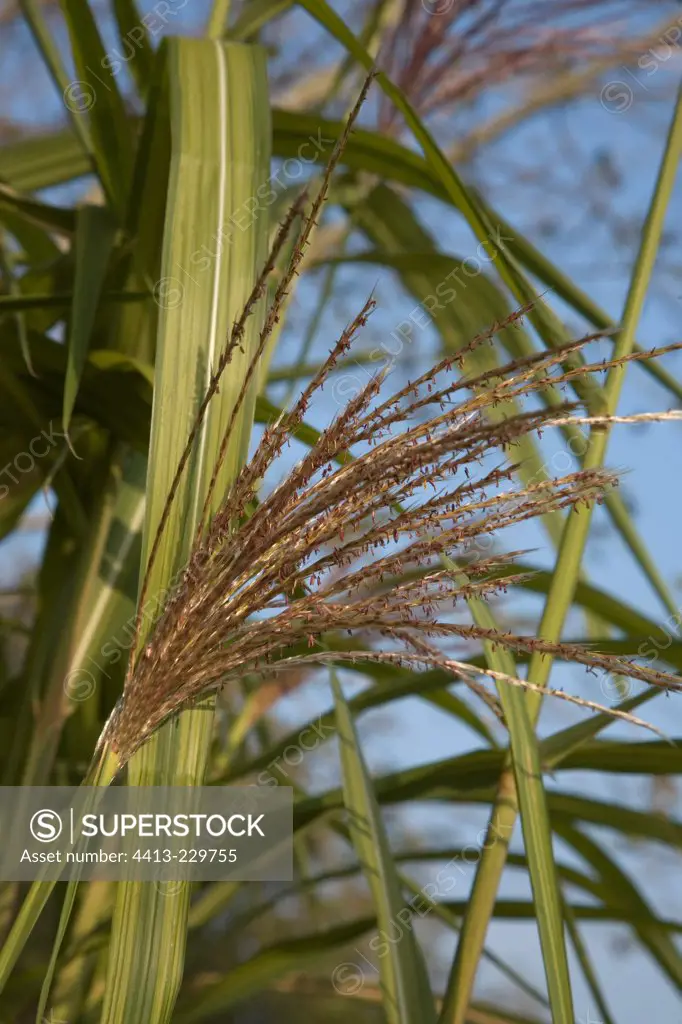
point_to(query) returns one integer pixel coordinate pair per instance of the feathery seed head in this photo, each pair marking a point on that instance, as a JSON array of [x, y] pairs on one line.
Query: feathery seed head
[[385, 545]]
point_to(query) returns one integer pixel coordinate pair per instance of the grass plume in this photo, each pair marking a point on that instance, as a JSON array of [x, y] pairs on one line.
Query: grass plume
[[355, 544], [353, 539]]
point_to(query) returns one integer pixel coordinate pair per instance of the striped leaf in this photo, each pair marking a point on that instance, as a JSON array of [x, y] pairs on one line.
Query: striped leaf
[[209, 266], [406, 992]]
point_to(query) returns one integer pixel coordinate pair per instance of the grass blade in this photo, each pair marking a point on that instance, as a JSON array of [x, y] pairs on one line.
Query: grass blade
[[561, 589], [110, 129], [404, 982], [94, 240], [208, 187]]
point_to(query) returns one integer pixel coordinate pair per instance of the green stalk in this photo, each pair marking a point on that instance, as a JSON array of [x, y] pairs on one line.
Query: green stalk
[[559, 598], [220, 129]]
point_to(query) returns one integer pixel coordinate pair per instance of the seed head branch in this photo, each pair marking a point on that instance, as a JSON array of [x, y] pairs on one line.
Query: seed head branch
[[355, 544]]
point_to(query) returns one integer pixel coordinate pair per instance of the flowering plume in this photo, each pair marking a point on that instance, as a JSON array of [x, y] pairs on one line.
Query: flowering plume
[[376, 532], [368, 545]]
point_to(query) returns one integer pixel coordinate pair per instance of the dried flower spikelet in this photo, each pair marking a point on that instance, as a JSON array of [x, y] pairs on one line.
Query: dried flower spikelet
[[386, 545]]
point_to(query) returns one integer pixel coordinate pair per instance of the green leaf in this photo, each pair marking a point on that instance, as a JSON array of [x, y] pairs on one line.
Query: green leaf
[[94, 240], [586, 966], [34, 212], [132, 30], [623, 893], [207, 188], [46, 160], [254, 17], [392, 685], [97, 92], [258, 972], [563, 807], [49, 51], [404, 982], [57, 300]]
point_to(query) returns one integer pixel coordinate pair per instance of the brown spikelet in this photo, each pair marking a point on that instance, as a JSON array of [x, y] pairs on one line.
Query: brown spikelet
[[361, 535], [355, 545]]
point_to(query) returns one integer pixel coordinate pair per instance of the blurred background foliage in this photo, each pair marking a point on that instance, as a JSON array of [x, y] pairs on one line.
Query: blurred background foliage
[[555, 116]]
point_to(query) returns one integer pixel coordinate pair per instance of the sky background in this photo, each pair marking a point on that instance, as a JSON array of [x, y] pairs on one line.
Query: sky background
[[577, 181]]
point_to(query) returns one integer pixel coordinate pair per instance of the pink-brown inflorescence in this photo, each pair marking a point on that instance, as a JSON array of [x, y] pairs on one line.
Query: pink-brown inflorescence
[[384, 546], [378, 532]]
